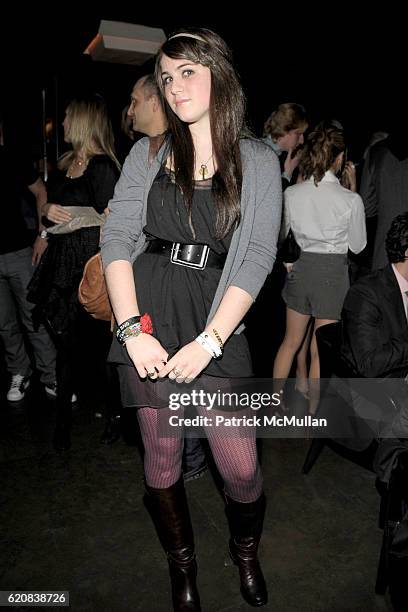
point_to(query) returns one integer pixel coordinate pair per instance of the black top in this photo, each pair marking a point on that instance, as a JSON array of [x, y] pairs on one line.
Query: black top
[[93, 188], [17, 172], [179, 298], [55, 282]]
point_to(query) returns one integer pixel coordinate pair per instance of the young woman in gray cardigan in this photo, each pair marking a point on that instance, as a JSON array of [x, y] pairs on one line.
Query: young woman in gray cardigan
[[188, 243]]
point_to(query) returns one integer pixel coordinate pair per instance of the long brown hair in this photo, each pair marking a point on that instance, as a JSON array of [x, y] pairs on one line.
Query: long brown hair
[[322, 147], [227, 120]]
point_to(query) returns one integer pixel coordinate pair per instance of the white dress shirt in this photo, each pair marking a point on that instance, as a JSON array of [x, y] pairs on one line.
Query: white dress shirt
[[403, 285], [326, 218]]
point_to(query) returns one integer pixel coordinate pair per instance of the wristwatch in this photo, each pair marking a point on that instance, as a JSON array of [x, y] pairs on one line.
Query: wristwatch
[[43, 234]]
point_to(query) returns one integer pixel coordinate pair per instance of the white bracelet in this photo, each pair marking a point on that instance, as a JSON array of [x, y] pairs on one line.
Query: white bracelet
[[215, 347], [205, 346], [209, 344]]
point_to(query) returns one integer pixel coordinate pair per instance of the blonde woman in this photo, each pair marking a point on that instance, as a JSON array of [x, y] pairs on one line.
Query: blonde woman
[[84, 182]]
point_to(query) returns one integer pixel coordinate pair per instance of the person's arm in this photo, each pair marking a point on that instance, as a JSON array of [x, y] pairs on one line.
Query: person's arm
[[368, 190], [121, 231], [244, 288], [144, 350], [262, 248], [357, 234], [348, 178], [40, 193], [123, 225], [362, 319], [289, 166], [192, 358], [284, 231]]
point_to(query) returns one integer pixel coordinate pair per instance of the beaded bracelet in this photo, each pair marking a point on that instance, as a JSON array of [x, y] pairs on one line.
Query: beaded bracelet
[[129, 332], [130, 321], [220, 342], [134, 327]]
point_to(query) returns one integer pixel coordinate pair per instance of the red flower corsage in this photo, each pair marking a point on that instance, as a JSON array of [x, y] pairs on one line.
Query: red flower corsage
[[146, 323]]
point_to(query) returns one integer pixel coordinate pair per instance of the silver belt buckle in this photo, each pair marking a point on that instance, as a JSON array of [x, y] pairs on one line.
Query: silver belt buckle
[[199, 266]]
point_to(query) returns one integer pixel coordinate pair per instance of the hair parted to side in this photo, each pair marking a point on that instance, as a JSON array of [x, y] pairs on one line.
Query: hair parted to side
[[90, 129], [396, 242], [227, 120], [322, 147], [287, 117]]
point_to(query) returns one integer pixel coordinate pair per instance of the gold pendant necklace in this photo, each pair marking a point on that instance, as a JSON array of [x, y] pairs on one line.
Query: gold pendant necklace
[[76, 163], [204, 168]]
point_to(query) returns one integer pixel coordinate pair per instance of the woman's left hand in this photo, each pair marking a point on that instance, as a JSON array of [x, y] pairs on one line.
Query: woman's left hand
[[187, 363], [56, 213]]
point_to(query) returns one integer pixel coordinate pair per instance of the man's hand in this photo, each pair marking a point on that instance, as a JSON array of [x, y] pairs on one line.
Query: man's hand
[[39, 247], [291, 162]]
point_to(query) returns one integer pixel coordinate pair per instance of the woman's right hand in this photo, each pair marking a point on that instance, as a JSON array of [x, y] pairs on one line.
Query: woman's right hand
[[348, 178], [147, 354], [56, 213]]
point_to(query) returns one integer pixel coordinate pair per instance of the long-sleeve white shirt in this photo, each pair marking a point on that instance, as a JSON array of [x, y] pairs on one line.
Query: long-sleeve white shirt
[[326, 218]]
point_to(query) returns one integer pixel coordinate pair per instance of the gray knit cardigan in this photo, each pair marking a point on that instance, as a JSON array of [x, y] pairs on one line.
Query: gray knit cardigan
[[252, 250]]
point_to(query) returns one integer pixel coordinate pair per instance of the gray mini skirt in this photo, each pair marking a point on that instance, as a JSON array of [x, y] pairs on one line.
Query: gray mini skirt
[[317, 285]]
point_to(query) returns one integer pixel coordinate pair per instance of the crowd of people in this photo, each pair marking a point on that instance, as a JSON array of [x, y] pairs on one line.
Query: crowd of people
[[189, 229]]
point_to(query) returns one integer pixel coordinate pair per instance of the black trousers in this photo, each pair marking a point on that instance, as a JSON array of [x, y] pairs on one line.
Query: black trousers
[[82, 367]]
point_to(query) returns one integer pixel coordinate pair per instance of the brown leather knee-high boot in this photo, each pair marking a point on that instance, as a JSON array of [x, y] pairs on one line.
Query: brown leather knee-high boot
[[169, 510], [246, 522]]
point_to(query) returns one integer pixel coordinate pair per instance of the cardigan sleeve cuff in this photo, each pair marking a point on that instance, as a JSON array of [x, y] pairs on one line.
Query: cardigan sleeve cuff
[[251, 278], [114, 251]]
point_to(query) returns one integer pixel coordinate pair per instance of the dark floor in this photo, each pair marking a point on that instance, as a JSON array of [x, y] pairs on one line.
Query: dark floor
[[77, 522]]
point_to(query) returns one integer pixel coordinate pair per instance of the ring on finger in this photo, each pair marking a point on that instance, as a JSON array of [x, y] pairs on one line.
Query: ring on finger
[[177, 373], [150, 374]]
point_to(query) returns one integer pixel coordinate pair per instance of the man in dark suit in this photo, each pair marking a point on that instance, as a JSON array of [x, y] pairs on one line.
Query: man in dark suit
[[375, 342], [384, 187]]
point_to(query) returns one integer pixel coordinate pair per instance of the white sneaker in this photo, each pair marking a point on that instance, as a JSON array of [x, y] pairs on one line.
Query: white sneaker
[[19, 384], [52, 391]]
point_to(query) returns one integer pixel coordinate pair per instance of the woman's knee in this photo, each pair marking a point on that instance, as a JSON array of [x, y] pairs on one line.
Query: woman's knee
[[291, 344], [243, 475], [162, 469]]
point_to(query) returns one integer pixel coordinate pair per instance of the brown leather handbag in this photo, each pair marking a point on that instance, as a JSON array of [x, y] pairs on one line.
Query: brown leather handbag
[[92, 291]]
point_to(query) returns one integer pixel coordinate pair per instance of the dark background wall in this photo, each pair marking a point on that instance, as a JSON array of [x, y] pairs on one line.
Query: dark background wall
[[334, 63]]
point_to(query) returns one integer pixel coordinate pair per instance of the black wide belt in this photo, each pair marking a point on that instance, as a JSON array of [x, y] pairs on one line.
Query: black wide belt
[[191, 255]]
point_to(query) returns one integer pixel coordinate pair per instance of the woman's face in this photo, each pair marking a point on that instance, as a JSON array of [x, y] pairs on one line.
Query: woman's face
[[187, 88]]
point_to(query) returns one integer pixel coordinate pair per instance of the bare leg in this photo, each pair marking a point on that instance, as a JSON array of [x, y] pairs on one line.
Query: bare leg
[[296, 325]]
